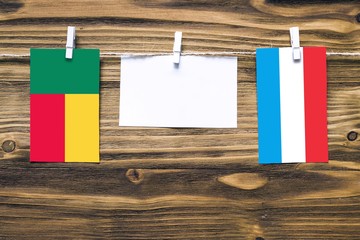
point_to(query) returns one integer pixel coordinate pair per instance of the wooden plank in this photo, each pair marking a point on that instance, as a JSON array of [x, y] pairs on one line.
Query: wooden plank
[[149, 25], [179, 183], [187, 147], [46, 201]]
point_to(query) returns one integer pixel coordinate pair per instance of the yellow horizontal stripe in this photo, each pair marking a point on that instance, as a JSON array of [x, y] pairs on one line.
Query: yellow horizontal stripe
[[82, 128]]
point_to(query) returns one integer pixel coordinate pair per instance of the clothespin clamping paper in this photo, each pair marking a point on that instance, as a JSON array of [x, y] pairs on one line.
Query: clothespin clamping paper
[[70, 42], [177, 47], [295, 42]]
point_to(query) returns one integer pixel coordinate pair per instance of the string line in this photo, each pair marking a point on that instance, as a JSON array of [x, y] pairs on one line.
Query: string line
[[129, 54]]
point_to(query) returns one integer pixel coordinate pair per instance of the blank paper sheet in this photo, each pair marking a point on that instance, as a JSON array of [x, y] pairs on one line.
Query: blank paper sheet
[[200, 92]]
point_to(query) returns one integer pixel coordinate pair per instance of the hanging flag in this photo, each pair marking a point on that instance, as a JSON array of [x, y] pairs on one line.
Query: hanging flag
[[292, 117], [64, 105]]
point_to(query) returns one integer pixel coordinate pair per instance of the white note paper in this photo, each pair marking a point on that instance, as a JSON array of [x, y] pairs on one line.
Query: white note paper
[[200, 92]]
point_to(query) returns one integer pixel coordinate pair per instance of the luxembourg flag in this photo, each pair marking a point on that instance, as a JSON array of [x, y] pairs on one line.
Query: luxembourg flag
[[292, 117]]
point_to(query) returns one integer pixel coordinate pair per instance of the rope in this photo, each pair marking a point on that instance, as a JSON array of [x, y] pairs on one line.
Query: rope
[[127, 54]]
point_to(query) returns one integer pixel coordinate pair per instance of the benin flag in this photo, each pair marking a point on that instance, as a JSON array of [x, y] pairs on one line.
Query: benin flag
[[292, 119], [64, 105]]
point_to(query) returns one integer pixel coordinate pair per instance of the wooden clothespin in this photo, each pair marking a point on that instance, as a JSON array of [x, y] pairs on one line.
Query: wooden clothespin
[[177, 47], [295, 42], [70, 42]]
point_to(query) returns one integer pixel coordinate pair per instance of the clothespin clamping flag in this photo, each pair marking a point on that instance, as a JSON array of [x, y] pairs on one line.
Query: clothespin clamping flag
[[70, 42], [177, 47], [292, 103]]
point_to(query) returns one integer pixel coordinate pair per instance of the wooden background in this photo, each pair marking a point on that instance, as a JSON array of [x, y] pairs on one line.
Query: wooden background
[[180, 183]]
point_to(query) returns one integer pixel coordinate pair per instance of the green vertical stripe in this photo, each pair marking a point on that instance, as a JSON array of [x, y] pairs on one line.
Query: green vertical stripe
[[52, 73]]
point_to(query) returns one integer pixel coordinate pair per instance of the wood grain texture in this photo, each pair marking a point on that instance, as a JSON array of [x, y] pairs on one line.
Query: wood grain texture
[[165, 183]]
